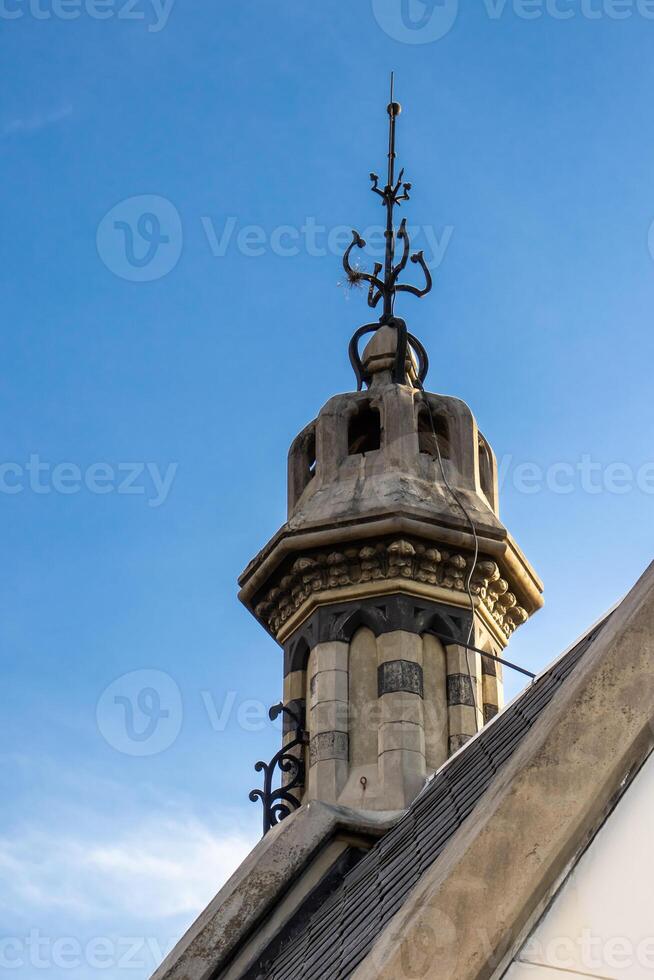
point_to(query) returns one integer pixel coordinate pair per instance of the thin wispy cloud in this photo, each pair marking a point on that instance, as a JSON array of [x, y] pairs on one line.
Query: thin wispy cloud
[[157, 870], [31, 124]]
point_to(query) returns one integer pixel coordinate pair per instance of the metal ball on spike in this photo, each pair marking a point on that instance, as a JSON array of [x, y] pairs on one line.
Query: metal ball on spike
[[387, 288]]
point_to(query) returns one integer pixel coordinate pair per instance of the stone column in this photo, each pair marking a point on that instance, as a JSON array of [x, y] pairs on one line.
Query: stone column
[[463, 695], [295, 684], [327, 720], [492, 687], [401, 740]]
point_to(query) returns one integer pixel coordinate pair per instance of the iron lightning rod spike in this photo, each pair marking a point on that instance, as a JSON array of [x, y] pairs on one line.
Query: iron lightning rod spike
[[391, 134], [394, 109], [386, 288]]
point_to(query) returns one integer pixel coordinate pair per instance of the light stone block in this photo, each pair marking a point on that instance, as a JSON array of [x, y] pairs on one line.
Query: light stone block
[[294, 686], [492, 690], [363, 788], [463, 720], [365, 709], [399, 645], [328, 685], [329, 656], [402, 706], [403, 775], [436, 722], [460, 660], [327, 779], [329, 716], [401, 735]]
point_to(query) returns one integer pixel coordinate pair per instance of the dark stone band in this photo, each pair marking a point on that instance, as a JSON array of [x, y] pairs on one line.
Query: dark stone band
[[299, 707], [329, 745], [384, 614], [490, 710], [457, 742], [400, 675], [459, 690]]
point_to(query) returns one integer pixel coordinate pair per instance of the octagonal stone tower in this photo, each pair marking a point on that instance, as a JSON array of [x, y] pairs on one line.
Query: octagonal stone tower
[[393, 564]]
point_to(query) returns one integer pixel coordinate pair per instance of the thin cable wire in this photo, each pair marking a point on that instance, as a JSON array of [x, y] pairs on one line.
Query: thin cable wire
[[468, 584]]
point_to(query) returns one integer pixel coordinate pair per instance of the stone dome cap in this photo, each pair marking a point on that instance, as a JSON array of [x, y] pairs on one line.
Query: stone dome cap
[[378, 358]]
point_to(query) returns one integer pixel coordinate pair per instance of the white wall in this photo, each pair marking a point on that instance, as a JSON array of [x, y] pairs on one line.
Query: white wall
[[601, 924]]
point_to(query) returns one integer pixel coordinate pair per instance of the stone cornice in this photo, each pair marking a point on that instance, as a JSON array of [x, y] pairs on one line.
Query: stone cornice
[[496, 545], [371, 567]]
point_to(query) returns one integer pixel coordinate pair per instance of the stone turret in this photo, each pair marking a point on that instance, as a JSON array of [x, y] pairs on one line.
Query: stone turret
[[393, 585], [371, 583]]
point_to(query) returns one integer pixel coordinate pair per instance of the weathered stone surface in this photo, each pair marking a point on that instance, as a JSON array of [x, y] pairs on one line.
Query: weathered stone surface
[[407, 735], [329, 716], [403, 773], [378, 540], [328, 745], [401, 644], [457, 742], [502, 866], [357, 518], [400, 675], [329, 685], [364, 567], [490, 710], [459, 690]]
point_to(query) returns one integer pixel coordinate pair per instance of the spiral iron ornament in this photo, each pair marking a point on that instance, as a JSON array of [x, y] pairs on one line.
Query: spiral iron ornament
[[280, 803]]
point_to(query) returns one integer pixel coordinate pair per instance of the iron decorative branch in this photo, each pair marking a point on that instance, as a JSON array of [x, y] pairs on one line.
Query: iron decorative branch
[[280, 803], [392, 195]]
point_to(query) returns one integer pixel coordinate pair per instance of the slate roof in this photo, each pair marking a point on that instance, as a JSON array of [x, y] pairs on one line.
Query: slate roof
[[342, 931]]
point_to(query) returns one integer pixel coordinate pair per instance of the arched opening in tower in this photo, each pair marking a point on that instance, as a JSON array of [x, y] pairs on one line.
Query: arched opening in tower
[[364, 431], [433, 435], [485, 469]]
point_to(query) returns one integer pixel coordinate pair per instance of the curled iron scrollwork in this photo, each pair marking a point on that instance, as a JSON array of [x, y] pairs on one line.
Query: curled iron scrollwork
[[280, 803]]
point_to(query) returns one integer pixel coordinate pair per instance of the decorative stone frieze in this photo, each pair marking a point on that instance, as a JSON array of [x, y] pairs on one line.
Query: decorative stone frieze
[[402, 559]]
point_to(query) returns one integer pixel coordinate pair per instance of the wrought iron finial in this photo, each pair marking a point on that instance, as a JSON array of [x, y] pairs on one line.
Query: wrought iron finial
[[280, 803], [386, 288]]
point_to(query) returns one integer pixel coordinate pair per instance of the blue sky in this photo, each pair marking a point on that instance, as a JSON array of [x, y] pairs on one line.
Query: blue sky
[[148, 402]]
